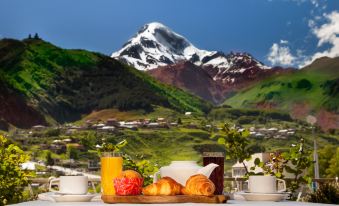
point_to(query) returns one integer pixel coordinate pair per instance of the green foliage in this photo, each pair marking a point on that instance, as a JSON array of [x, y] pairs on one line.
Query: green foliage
[[52, 132], [331, 88], [300, 160], [275, 166], [236, 143], [70, 83], [247, 115], [245, 120], [49, 159], [12, 178], [89, 140], [304, 84], [271, 95], [326, 193], [73, 153], [109, 147], [333, 169], [144, 167], [328, 161], [315, 86]]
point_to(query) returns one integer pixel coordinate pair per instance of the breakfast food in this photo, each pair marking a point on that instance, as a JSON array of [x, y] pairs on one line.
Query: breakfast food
[[198, 185], [165, 186], [129, 174], [129, 182]]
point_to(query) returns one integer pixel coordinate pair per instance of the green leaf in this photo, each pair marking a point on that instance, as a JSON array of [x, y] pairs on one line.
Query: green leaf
[[289, 169], [257, 161], [221, 140], [278, 175]]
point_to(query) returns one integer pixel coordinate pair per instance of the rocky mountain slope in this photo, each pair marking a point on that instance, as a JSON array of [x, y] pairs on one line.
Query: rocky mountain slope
[[156, 46], [41, 83], [191, 77]]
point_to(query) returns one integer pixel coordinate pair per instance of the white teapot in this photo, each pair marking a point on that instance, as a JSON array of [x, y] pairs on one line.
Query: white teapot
[[180, 171]]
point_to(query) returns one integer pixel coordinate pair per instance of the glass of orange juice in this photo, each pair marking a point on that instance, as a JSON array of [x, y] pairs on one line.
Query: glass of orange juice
[[111, 167]]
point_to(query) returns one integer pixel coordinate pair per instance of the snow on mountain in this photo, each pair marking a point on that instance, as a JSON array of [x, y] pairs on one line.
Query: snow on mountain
[[157, 45]]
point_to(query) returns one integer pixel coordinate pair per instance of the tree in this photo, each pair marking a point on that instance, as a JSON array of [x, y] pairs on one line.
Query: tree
[[49, 159], [325, 154], [333, 169], [29, 36], [36, 36], [89, 140], [73, 153], [12, 178]]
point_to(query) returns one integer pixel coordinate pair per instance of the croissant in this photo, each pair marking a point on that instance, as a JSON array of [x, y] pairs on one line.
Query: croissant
[[165, 186], [199, 185]]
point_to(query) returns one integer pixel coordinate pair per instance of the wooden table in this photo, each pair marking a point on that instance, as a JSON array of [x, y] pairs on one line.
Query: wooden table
[[230, 202]]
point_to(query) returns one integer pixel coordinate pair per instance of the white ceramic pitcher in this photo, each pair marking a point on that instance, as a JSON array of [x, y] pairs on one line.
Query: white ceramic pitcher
[[180, 171]]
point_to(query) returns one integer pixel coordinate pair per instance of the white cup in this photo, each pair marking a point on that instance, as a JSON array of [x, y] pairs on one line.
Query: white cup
[[73, 185], [265, 184]]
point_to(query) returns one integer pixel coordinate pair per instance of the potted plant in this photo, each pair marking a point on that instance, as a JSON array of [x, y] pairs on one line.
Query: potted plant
[[295, 161]]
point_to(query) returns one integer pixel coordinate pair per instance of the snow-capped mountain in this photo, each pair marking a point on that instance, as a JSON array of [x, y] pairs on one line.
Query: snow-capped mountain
[[157, 45], [172, 59]]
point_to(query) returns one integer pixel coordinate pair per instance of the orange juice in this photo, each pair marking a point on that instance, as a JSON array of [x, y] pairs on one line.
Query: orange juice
[[111, 167]]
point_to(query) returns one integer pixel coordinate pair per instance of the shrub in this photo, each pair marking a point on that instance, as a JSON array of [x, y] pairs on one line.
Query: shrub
[[326, 193], [52, 133], [304, 84], [245, 120], [12, 178]]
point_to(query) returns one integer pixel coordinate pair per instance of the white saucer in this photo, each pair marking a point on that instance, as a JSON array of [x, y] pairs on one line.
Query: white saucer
[[56, 197], [276, 197]]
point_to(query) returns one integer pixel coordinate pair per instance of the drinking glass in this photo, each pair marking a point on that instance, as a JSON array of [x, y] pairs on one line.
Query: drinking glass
[[111, 167], [217, 176]]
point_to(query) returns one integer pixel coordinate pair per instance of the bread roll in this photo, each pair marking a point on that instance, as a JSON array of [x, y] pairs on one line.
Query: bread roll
[[199, 185], [165, 186]]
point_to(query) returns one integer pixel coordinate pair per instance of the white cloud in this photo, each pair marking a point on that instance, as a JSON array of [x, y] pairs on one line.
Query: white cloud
[[326, 34], [280, 55], [283, 41], [315, 3]]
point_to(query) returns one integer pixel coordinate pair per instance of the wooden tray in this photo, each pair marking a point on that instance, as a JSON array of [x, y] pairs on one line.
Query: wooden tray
[[111, 199]]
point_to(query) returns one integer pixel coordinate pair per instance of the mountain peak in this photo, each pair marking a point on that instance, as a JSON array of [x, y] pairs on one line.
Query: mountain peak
[[157, 45], [152, 26]]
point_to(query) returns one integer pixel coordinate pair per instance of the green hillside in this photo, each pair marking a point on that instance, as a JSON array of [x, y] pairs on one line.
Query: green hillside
[[316, 86], [61, 85]]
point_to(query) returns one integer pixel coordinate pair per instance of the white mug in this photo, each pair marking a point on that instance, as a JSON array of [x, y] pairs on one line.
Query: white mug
[[73, 185], [265, 184]]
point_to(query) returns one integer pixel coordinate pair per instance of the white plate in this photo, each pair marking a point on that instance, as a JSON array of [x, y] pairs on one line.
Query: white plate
[[276, 197], [66, 198]]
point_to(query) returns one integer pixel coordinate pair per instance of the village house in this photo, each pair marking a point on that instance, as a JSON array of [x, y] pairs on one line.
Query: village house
[[38, 127], [188, 113], [112, 122]]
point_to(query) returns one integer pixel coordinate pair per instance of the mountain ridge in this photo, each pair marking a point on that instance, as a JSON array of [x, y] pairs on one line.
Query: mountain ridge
[[312, 88], [61, 85], [157, 47]]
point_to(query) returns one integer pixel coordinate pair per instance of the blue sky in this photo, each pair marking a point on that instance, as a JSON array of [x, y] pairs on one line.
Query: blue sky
[[279, 32]]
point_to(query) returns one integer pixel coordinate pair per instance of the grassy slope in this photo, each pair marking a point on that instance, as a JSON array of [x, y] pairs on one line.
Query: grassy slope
[[63, 81], [283, 91]]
